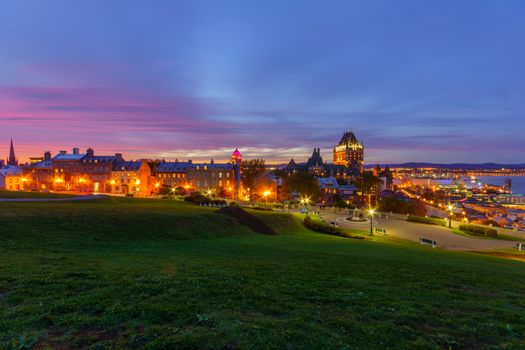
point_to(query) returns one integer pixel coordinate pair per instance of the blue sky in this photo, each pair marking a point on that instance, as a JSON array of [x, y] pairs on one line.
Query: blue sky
[[439, 81]]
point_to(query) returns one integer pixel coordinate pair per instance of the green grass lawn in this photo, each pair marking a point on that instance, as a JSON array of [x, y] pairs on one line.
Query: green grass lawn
[[127, 273], [500, 236], [23, 194]]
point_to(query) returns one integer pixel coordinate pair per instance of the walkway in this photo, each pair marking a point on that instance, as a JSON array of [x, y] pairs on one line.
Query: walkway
[[60, 199], [445, 238]]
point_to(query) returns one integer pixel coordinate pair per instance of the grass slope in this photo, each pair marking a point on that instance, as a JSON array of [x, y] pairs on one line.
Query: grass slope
[[163, 275]]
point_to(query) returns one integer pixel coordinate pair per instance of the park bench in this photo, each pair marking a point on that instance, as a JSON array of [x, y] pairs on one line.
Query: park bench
[[380, 230], [333, 223], [520, 246], [426, 241]]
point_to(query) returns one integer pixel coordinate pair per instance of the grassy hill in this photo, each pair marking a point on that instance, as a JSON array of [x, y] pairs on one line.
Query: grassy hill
[[161, 275]]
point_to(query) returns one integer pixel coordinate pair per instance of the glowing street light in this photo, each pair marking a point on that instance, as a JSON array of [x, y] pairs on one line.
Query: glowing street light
[[266, 194]]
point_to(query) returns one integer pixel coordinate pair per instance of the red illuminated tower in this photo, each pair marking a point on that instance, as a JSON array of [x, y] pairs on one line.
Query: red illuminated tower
[[236, 160]]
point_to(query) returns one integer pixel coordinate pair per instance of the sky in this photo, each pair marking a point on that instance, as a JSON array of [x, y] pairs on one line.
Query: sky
[[437, 81]]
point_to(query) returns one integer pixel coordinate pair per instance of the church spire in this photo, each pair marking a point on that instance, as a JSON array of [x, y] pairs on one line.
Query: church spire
[[12, 157]]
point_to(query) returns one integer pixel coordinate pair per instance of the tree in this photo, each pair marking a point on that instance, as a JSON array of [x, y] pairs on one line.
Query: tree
[[250, 170], [368, 183], [303, 183], [180, 191], [165, 190], [402, 206]]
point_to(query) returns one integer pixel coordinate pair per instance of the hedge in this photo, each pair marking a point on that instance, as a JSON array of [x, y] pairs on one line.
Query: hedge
[[426, 220], [479, 230], [199, 198], [327, 229]]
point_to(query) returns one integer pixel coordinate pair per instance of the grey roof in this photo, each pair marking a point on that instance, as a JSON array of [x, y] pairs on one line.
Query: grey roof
[[174, 167], [67, 156], [89, 158], [224, 166], [10, 170], [44, 164], [126, 166]]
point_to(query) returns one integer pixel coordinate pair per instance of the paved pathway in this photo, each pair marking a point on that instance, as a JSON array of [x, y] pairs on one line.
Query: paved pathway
[[413, 231], [60, 199]]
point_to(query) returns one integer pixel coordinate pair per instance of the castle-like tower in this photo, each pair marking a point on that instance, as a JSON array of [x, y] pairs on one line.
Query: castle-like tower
[[349, 152], [237, 160], [12, 160]]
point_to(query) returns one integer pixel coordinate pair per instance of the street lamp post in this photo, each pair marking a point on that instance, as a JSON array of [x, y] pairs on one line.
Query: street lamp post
[[306, 200], [371, 212], [450, 207]]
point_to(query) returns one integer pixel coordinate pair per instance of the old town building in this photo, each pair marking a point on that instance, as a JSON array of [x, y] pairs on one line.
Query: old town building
[[38, 175], [133, 177], [349, 152], [91, 173]]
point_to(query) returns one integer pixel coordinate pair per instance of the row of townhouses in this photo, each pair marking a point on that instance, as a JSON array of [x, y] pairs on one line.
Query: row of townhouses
[[88, 172]]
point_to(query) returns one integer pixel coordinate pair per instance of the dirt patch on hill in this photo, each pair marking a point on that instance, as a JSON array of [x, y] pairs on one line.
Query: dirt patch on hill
[[246, 219]]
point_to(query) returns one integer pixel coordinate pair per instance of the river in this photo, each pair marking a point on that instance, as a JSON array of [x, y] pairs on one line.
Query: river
[[518, 182]]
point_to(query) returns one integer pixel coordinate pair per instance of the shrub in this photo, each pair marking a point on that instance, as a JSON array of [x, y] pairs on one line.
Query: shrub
[[307, 221], [197, 197], [490, 232], [425, 220], [327, 229], [262, 208], [479, 230]]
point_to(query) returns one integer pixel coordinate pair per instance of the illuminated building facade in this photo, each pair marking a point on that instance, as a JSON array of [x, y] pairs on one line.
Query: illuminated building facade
[[221, 179], [38, 175], [349, 152], [10, 178], [133, 177], [87, 172], [83, 172]]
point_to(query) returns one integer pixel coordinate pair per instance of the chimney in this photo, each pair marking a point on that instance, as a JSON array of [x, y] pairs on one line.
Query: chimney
[[76, 150], [62, 152], [212, 162], [47, 155], [90, 152], [119, 156], [190, 161]]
